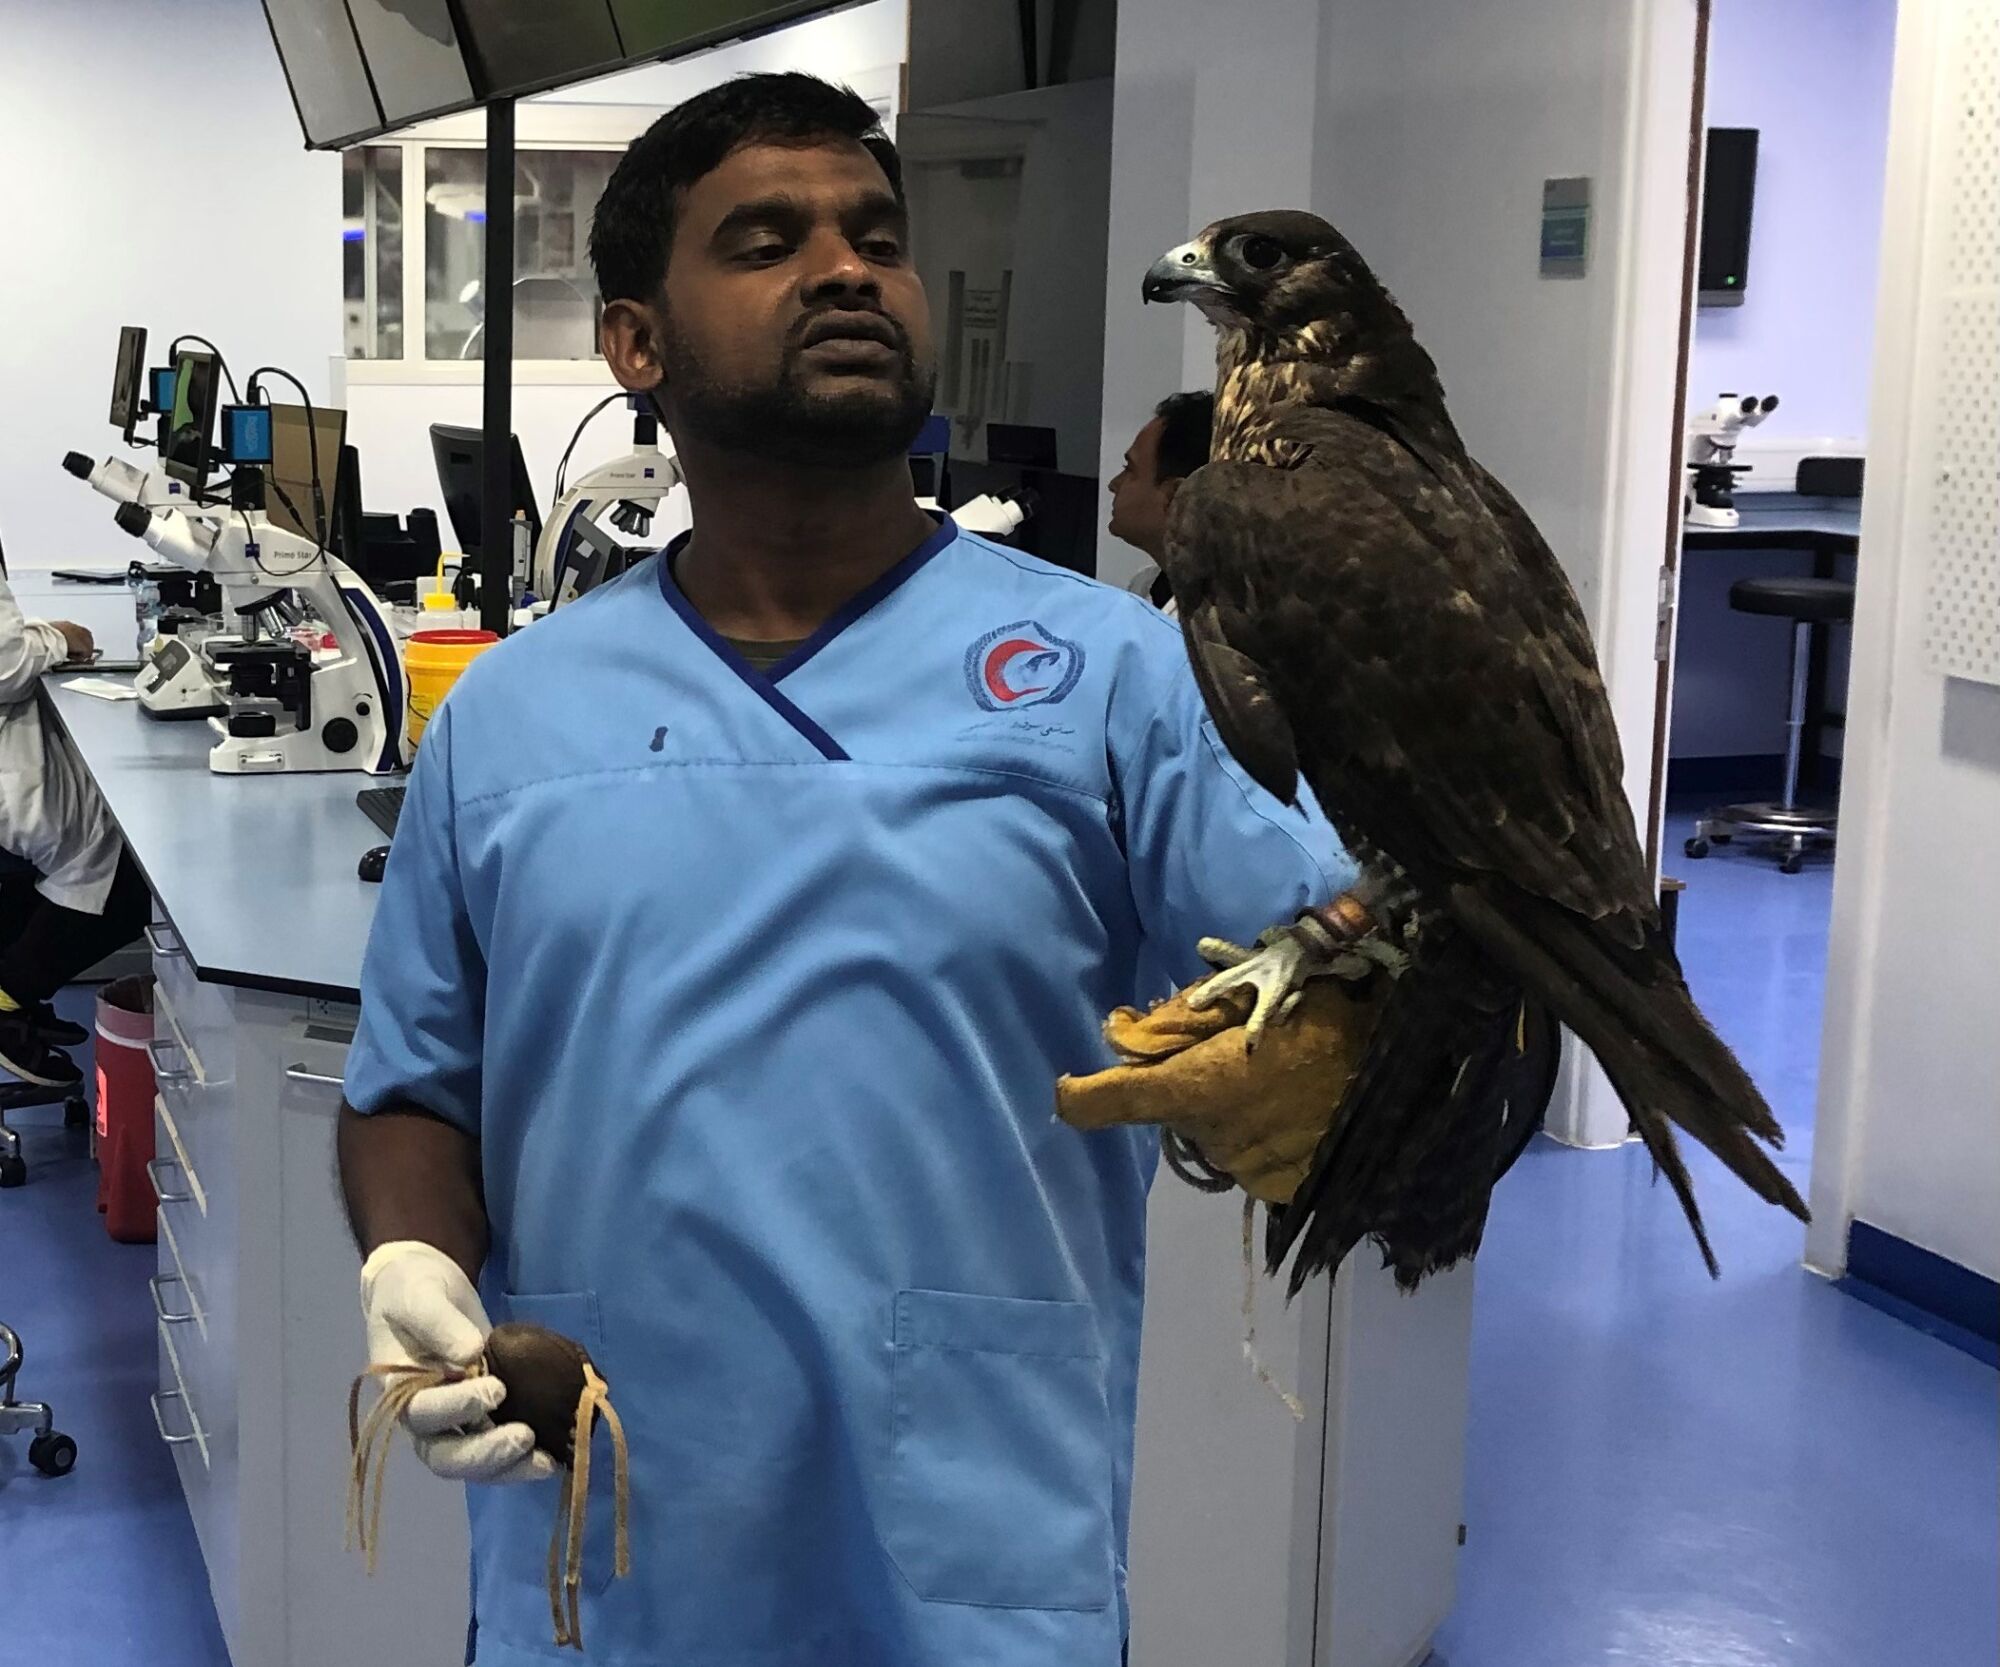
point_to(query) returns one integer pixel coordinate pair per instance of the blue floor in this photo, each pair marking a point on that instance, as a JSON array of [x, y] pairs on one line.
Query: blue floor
[[1665, 1471], [1662, 1471], [98, 1568]]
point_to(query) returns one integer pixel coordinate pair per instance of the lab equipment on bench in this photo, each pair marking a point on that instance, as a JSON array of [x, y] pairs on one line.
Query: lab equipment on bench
[[334, 702], [1710, 496], [993, 514], [178, 612], [432, 661], [576, 552], [308, 674]]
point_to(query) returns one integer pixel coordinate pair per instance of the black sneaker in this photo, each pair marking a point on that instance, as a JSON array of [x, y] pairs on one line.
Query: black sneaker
[[55, 1028], [25, 1051]]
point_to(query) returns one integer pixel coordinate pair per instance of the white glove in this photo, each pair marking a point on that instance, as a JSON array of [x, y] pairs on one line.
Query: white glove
[[421, 1310]]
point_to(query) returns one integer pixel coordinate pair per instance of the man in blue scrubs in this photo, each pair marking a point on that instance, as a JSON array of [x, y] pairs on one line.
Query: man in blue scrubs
[[740, 919]]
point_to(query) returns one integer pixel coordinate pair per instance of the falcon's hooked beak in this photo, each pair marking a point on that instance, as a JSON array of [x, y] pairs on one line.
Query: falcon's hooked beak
[[1184, 274]]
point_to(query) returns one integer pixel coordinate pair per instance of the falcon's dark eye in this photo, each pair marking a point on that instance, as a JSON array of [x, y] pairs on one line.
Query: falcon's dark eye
[[1260, 253]]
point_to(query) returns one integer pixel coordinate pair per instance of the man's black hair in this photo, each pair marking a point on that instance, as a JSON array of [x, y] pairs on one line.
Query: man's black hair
[[633, 227], [1187, 430]]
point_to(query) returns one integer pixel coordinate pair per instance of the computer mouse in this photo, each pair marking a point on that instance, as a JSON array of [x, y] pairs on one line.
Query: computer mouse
[[373, 861]]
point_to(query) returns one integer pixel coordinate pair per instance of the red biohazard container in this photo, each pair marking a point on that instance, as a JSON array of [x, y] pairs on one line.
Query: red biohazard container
[[125, 1109]]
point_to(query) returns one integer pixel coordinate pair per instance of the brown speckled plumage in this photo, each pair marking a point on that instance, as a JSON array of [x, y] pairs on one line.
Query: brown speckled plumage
[[1362, 597]]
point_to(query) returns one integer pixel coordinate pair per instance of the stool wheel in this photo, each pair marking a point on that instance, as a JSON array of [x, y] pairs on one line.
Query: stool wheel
[[13, 1172], [1696, 847], [1794, 861], [76, 1114], [53, 1454]]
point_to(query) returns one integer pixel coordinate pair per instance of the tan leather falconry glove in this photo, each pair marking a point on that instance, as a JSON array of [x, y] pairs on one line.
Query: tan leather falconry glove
[[1257, 1117]]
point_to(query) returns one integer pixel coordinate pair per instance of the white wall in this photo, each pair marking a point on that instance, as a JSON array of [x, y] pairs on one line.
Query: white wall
[[1210, 118], [1813, 77], [131, 200], [1425, 131], [1908, 1133]]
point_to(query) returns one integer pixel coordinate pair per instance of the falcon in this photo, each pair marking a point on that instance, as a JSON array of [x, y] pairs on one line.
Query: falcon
[[1367, 607]]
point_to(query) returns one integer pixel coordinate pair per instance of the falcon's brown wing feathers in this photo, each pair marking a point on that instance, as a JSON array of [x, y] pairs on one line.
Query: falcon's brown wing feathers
[[1455, 749], [1449, 715]]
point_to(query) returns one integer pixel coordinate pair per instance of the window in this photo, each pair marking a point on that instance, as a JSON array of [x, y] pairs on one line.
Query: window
[[555, 294], [413, 209], [371, 234]]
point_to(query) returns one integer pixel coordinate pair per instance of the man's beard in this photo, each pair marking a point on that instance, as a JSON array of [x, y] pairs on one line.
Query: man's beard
[[786, 423]]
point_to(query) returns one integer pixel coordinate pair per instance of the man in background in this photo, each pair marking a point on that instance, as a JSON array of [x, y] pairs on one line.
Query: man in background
[[1162, 455]]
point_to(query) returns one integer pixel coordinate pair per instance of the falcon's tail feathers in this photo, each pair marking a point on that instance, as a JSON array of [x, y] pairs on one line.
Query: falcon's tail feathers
[[1632, 1009], [1453, 1082]]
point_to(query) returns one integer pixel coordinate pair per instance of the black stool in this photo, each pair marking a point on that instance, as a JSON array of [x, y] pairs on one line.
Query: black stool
[[1806, 603]]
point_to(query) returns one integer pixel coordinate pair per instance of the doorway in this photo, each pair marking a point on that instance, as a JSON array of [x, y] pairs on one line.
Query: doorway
[[1786, 174]]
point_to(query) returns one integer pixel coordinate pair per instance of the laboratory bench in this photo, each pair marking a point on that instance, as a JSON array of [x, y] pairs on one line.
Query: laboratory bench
[[258, 930], [1255, 1536]]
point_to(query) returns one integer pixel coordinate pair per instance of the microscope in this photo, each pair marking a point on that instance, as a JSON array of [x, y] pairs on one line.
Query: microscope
[[1710, 498], [309, 678], [576, 553]]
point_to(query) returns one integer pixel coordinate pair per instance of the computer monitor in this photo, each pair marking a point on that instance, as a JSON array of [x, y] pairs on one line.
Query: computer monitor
[[189, 428], [294, 445], [128, 380], [461, 467]]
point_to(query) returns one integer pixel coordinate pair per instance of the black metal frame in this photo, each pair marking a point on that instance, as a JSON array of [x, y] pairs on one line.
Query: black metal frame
[[496, 519]]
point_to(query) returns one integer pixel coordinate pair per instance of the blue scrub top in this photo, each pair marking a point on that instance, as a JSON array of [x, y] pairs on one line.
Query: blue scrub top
[[754, 989]]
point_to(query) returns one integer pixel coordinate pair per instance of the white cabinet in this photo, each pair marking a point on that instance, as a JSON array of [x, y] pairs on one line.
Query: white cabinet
[[1258, 1538], [260, 1335]]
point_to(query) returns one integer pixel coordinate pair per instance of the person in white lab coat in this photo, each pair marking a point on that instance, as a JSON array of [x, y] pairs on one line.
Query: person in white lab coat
[[1162, 455], [87, 897]]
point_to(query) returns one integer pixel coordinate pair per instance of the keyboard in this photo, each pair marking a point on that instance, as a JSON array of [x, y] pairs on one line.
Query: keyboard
[[381, 805]]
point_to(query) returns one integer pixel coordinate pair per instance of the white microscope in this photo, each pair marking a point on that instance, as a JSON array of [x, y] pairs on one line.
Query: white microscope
[[576, 552], [335, 701], [1710, 497]]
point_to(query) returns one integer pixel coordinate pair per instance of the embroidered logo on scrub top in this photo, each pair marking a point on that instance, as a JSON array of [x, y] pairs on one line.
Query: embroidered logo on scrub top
[[1021, 665]]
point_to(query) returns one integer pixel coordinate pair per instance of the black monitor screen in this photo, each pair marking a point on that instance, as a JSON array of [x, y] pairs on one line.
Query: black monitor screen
[[657, 28], [461, 465], [323, 63], [413, 55], [1729, 191], [128, 380], [190, 426], [520, 48]]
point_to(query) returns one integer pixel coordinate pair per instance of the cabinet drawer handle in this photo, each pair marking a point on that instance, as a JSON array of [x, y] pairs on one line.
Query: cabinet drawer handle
[[152, 935], [160, 1307], [155, 1046], [319, 1079], [176, 1037], [160, 1192], [160, 1422]]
